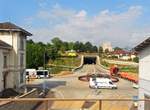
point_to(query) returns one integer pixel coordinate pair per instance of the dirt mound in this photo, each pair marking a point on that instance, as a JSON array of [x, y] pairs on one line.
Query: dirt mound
[[9, 93]]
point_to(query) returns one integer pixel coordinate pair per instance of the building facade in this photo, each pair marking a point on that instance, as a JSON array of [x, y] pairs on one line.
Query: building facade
[[12, 55], [143, 50], [107, 46]]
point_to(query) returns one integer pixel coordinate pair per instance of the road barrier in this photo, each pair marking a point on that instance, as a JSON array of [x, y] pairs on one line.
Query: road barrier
[[90, 104], [129, 77]]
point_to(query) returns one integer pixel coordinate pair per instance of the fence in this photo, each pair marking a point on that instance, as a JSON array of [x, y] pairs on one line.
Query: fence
[[80, 104]]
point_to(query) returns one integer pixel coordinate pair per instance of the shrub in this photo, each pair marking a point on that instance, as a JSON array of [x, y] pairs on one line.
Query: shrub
[[136, 59]]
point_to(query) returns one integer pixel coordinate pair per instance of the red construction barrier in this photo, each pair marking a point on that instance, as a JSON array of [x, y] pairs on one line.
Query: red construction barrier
[[129, 77]]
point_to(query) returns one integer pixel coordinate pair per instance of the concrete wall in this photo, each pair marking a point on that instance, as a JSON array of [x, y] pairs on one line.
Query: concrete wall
[[144, 75], [24, 105], [81, 65]]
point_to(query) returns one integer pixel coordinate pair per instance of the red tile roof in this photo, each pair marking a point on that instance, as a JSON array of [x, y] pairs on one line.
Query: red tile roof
[[120, 52]]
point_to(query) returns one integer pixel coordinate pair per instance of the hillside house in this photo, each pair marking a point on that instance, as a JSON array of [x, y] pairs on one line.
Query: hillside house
[[124, 55]]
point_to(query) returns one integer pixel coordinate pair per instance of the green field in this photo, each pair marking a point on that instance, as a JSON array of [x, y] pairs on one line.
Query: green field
[[63, 64], [123, 68]]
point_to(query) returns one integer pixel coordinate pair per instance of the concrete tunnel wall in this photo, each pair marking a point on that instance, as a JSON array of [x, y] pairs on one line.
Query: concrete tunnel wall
[[97, 61], [89, 60]]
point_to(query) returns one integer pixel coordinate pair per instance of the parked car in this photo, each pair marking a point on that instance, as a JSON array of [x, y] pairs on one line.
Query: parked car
[[98, 83], [31, 73], [42, 74]]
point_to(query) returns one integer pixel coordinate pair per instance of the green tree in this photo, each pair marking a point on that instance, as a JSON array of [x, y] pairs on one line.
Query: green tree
[[52, 53], [117, 48], [57, 43], [136, 59], [35, 54], [88, 47], [100, 51], [94, 49], [106, 50], [77, 46], [70, 45], [39, 53]]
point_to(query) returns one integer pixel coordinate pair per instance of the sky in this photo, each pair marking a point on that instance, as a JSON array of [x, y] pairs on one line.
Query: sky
[[124, 23]]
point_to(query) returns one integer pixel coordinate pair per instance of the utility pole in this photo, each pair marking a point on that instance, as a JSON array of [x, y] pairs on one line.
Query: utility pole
[[44, 82], [44, 59]]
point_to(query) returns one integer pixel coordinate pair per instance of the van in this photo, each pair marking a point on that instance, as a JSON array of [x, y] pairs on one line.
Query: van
[[99, 83], [42, 73], [30, 73]]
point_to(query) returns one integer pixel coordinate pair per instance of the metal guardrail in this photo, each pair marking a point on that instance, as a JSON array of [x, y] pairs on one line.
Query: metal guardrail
[[47, 100]]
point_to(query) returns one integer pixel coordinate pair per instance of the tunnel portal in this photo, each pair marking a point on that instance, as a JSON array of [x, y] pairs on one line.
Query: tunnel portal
[[89, 60]]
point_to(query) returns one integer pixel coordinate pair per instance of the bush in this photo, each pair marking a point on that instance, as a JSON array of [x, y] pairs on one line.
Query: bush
[[136, 59]]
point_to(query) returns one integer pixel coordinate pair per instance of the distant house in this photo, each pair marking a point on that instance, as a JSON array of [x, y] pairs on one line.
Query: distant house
[[12, 55], [124, 55], [143, 50]]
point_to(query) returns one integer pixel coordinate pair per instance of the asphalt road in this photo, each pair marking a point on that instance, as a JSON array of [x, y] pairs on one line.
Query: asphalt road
[[70, 87]]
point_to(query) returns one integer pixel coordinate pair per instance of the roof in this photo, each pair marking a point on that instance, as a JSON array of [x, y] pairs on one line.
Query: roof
[[5, 45], [142, 45], [120, 52], [7, 26]]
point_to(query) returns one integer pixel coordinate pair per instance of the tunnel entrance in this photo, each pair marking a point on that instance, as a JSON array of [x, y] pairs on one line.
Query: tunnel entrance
[[89, 60]]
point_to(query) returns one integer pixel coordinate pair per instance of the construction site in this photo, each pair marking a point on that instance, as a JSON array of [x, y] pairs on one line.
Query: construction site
[[73, 89]]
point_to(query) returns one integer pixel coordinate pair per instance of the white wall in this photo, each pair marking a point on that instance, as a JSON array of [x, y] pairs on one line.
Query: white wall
[[144, 64], [144, 75], [13, 39]]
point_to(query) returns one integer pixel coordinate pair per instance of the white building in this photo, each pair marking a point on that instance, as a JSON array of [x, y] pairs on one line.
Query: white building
[[143, 50], [107, 45], [12, 55]]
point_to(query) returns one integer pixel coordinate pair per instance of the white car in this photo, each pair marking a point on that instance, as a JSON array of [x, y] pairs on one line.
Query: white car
[[98, 83], [42, 73], [31, 73]]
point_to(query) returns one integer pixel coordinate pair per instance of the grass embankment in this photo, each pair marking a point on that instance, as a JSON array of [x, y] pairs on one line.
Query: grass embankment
[[123, 68], [63, 64]]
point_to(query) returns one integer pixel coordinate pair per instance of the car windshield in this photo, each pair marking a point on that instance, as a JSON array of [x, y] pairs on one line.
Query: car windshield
[[27, 73], [42, 73]]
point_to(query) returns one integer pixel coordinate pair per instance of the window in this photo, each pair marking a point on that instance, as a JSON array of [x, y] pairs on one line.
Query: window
[[111, 83], [5, 61], [21, 43], [21, 59]]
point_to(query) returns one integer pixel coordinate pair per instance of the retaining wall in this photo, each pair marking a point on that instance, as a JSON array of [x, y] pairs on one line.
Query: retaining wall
[[81, 65]]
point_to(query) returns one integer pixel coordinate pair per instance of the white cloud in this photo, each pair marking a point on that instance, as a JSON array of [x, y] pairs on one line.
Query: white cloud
[[119, 28], [82, 13]]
